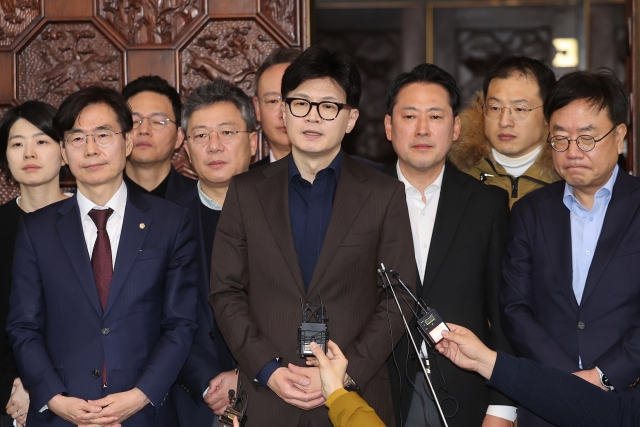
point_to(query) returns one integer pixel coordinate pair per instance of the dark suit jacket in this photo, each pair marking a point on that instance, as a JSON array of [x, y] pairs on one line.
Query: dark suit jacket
[[461, 282], [562, 398], [256, 282], [542, 319], [263, 161], [209, 355], [59, 332], [179, 185]]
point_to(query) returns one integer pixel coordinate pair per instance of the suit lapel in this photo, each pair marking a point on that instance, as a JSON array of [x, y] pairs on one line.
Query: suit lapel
[[555, 221], [451, 205], [131, 238], [273, 193], [621, 210], [350, 197], [69, 228]]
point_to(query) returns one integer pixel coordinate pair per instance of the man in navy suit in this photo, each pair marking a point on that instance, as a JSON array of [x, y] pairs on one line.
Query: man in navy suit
[[571, 280], [103, 303], [220, 127]]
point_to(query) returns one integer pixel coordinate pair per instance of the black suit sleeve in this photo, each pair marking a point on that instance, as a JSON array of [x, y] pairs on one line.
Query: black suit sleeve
[[497, 243], [562, 398]]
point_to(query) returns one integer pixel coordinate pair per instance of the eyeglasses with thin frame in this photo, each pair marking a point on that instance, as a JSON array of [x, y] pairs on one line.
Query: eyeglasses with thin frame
[[103, 138], [584, 142], [518, 112], [271, 102], [327, 110], [156, 121], [224, 136]]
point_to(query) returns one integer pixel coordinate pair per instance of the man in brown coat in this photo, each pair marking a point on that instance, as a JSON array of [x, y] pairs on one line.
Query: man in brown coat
[[313, 223]]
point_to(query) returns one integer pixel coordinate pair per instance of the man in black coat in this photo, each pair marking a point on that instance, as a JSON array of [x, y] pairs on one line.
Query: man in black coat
[[459, 231], [156, 108]]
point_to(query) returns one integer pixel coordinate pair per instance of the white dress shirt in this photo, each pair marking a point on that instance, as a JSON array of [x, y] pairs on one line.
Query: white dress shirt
[[114, 224], [422, 215]]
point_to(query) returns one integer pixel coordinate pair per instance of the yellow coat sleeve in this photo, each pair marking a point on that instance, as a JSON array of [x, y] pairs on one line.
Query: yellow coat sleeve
[[347, 409]]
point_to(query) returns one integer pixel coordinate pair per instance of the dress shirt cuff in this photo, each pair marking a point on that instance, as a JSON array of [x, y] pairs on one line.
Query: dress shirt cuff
[[266, 372], [205, 392], [508, 413], [44, 408]]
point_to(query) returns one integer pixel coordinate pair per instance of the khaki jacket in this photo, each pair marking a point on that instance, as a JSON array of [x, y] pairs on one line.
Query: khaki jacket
[[471, 153]]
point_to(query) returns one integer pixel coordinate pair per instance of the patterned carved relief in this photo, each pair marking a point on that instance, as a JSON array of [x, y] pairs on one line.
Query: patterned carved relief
[[480, 49], [150, 21], [8, 189], [182, 164], [232, 50], [283, 13], [64, 58], [15, 15]]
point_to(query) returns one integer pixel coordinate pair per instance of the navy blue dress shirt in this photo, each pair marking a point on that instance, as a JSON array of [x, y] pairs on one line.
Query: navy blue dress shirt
[[310, 207]]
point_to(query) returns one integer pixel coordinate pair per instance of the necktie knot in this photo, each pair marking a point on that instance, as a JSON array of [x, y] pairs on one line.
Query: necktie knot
[[100, 217]]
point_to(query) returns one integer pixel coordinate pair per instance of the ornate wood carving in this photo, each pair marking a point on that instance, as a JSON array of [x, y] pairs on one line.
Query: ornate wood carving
[[15, 15], [232, 50], [8, 189], [283, 13], [150, 21], [64, 58], [182, 164]]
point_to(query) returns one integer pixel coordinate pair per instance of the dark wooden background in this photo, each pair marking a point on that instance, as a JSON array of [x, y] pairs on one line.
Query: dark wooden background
[[52, 48]]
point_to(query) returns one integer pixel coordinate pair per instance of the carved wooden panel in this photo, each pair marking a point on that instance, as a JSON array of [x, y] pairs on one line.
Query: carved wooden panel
[[150, 21], [52, 48], [232, 50], [64, 58], [8, 189], [284, 14], [15, 16]]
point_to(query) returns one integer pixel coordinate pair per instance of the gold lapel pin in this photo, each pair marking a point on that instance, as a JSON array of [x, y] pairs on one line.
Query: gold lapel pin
[[142, 226]]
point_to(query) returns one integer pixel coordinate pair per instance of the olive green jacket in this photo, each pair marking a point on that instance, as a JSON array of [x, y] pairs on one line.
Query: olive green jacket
[[471, 153]]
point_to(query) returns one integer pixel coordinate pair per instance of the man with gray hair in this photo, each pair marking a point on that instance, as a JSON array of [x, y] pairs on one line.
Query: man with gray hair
[[219, 124]]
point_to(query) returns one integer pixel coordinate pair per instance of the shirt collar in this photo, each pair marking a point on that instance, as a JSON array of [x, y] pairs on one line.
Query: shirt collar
[[605, 191], [335, 166], [407, 185], [208, 201], [118, 202]]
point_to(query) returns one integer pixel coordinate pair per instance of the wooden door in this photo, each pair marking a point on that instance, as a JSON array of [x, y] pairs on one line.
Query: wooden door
[[52, 48]]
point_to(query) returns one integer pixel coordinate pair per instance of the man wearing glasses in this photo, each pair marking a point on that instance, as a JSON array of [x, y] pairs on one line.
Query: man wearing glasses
[[156, 108], [502, 140], [571, 277], [104, 297], [220, 127], [268, 103], [314, 224]]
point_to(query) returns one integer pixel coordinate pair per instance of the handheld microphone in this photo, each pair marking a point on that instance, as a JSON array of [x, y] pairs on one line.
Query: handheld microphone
[[430, 324], [238, 408], [313, 328], [430, 321]]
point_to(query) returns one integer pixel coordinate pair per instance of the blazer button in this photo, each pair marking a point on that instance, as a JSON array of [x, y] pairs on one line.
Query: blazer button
[[105, 331], [95, 373], [212, 335], [580, 325]]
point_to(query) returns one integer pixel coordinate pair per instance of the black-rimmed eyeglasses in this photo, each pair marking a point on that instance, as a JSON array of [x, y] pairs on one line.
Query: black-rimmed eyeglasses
[[328, 110], [584, 142]]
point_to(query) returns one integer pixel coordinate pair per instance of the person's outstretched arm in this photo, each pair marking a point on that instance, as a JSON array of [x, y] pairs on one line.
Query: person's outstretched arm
[[561, 398], [346, 409]]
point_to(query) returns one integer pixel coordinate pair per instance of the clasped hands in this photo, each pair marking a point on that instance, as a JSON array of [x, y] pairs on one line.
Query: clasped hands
[[300, 386], [110, 411]]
